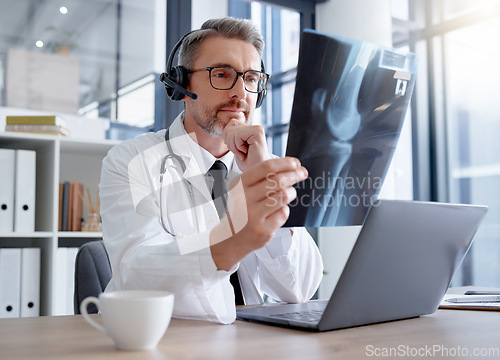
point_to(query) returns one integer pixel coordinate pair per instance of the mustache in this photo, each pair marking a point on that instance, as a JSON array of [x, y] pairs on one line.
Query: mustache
[[237, 104]]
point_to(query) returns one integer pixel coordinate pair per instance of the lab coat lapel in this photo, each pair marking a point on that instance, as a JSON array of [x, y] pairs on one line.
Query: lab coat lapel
[[197, 179], [185, 147], [192, 173]]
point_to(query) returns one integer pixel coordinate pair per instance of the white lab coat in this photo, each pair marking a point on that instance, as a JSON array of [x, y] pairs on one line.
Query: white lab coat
[[144, 256]]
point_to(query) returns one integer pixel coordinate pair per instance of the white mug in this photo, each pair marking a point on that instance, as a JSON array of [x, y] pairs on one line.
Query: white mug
[[134, 319]]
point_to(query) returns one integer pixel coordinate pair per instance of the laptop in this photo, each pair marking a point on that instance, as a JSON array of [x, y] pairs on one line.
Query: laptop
[[400, 267]]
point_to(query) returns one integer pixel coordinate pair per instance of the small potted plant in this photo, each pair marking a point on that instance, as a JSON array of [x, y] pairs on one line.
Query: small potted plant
[[61, 42]]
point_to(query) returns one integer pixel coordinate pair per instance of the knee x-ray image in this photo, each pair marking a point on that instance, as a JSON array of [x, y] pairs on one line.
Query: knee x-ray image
[[350, 101]]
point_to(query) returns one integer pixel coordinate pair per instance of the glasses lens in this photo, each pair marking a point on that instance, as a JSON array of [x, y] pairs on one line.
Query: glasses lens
[[223, 78], [255, 81]]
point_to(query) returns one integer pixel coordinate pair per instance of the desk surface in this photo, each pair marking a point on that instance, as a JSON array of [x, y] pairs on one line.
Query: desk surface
[[70, 337]]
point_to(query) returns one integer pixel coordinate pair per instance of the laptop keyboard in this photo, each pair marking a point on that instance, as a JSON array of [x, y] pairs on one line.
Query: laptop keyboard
[[312, 316]]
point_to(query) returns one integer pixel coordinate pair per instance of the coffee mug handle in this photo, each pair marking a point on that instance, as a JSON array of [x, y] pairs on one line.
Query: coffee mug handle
[[85, 314]]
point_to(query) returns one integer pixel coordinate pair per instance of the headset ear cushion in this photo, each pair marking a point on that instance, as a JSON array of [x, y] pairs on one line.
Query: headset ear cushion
[[178, 75], [262, 94], [169, 89], [260, 98]]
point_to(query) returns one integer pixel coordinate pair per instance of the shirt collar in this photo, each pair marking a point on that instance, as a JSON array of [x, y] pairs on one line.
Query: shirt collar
[[209, 159]]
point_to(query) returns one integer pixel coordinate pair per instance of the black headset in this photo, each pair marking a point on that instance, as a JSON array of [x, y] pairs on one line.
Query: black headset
[[176, 78]]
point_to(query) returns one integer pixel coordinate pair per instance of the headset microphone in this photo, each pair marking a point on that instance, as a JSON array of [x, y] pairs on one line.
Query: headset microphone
[[174, 90]]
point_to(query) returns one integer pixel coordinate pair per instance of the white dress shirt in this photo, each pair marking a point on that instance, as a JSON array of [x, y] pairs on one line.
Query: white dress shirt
[[144, 256]]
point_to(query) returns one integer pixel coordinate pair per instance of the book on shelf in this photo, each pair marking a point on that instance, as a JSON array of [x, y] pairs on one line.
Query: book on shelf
[[64, 209], [39, 124], [61, 190], [71, 196], [35, 120], [77, 207], [39, 129], [70, 206]]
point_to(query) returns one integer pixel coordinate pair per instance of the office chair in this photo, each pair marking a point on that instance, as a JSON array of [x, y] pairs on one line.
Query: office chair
[[92, 273]]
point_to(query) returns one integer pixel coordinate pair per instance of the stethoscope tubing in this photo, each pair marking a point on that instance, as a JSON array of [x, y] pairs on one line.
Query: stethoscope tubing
[[163, 169]]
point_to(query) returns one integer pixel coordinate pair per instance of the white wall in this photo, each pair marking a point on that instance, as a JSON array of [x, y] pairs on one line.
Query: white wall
[[366, 20], [160, 42], [203, 10], [137, 47]]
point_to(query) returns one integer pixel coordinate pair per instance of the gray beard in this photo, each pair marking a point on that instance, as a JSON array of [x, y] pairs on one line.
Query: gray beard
[[212, 127]]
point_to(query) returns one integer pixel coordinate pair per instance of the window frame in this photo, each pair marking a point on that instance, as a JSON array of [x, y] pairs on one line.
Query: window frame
[[277, 129]]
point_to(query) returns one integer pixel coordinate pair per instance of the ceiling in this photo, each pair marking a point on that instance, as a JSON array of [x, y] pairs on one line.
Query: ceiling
[[90, 30], [22, 22]]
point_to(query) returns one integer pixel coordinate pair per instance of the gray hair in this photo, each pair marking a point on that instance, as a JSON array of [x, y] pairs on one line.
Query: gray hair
[[228, 27]]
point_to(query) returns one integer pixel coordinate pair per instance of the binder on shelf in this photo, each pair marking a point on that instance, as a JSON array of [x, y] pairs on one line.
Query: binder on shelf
[[7, 166], [24, 194], [70, 279], [10, 282], [61, 299], [30, 282], [65, 280]]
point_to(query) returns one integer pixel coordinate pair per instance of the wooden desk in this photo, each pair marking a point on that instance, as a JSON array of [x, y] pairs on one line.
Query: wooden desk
[[70, 337]]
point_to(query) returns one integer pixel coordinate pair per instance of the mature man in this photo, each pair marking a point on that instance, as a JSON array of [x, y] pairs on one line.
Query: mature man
[[170, 234]]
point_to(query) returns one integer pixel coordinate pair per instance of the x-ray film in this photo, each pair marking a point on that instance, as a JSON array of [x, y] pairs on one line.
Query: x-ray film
[[350, 101]]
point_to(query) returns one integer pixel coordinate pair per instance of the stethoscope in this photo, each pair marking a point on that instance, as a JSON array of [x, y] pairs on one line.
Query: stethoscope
[[163, 169]]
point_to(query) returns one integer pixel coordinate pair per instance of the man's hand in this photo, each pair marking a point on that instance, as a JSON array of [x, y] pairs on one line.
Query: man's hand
[[247, 142], [257, 207]]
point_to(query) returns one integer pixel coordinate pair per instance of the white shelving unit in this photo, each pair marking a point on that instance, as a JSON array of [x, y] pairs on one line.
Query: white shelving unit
[[58, 159]]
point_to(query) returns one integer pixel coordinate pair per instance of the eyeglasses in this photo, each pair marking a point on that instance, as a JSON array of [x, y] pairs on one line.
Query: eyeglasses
[[224, 78]]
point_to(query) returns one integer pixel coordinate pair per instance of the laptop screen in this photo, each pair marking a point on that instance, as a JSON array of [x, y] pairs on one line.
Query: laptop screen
[[350, 101]]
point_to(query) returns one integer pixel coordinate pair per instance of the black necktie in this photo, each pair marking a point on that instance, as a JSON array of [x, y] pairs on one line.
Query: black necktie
[[219, 173]]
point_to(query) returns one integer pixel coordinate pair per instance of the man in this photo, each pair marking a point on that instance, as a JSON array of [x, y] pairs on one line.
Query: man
[[166, 234]]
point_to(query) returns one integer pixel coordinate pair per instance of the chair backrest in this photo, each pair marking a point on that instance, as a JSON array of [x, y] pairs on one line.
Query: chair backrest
[[92, 273]]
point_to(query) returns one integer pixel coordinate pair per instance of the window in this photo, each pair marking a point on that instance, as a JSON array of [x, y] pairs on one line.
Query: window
[[472, 76], [458, 117], [112, 41], [281, 28], [451, 9], [398, 183]]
